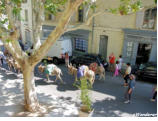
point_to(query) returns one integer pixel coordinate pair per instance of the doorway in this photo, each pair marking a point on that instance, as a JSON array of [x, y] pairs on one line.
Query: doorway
[[143, 53], [103, 46]]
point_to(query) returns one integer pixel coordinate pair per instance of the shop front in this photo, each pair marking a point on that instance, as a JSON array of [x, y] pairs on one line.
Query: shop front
[[140, 46]]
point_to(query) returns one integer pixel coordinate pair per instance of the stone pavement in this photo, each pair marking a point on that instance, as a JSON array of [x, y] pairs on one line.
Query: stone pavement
[[107, 96]]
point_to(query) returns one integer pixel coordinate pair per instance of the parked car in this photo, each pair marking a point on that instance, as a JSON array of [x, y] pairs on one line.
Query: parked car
[[147, 71], [87, 59]]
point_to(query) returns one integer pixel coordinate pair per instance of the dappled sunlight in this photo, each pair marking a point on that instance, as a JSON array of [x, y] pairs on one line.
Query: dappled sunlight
[[12, 100], [57, 100], [111, 108]]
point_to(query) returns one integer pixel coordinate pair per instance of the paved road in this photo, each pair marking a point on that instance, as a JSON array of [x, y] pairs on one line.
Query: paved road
[[107, 96]]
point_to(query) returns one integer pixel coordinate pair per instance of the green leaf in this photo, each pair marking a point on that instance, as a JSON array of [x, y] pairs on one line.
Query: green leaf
[[16, 11], [9, 27], [8, 40], [114, 11], [54, 6], [155, 1], [93, 6]]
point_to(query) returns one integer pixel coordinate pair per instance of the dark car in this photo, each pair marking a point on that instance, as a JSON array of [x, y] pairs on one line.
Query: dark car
[[87, 59], [148, 72]]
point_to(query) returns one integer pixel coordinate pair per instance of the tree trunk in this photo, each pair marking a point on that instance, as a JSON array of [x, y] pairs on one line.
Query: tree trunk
[[30, 96]]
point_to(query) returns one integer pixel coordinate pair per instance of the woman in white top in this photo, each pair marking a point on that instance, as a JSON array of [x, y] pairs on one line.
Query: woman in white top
[[127, 73], [120, 62]]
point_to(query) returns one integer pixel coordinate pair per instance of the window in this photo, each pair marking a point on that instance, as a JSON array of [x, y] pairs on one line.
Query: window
[[80, 14], [49, 16], [150, 18], [129, 49], [81, 44], [26, 15]]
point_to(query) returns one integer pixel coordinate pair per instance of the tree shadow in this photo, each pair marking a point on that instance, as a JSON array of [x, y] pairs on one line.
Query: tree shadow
[[11, 91], [113, 104], [53, 106], [8, 75], [116, 108], [12, 100]]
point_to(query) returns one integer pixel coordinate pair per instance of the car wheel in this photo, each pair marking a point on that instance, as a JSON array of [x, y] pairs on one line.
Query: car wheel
[[55, 61]]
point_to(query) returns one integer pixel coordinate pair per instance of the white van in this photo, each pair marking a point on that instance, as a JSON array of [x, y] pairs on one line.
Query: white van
[[59, 48]]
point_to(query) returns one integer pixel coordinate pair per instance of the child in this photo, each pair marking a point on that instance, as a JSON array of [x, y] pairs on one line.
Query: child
[[130, 89], [120, 63], [116, 68], [127, 73]]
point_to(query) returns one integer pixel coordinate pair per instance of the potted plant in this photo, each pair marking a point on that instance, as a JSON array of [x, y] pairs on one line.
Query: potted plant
[[86, 103]]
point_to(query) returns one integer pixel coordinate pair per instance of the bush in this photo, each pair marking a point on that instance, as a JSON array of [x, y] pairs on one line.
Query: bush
[[85, 98]]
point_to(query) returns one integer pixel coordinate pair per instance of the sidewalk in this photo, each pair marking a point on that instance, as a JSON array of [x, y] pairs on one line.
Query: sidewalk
[[11, 99], [107, 97]]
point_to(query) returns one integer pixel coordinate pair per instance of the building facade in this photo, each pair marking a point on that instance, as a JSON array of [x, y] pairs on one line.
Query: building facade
[[26, 23], [123, 35]]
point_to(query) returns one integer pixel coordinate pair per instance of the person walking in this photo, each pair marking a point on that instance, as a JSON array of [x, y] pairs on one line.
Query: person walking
[[66, 59], [1, 58], [154, 95], [112, 62], [116, 73], [130, 89], [127, 73]]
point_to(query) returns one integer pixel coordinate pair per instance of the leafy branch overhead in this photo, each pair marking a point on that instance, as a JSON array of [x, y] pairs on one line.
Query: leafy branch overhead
[[127, 7], [55, 6]]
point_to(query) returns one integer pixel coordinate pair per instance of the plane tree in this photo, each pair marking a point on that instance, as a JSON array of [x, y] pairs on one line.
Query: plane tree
[[10, 28]]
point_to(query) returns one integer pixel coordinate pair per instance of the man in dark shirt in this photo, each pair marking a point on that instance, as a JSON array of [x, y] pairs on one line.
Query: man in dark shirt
[[130, 89]]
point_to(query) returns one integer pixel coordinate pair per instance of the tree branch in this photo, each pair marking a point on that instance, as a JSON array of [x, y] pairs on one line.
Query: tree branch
[[9, 13], [55, 34], [13, 46], [38, 14], [86, 23]]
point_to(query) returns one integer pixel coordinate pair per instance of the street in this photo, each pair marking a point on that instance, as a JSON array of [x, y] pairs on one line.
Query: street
[[107, 96]]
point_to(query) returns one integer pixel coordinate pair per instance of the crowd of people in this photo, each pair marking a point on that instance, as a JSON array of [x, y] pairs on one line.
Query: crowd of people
[[115, 67]]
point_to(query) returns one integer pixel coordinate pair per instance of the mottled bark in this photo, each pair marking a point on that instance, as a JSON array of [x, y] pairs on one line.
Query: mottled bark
[[38, 18], [30, 97]]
